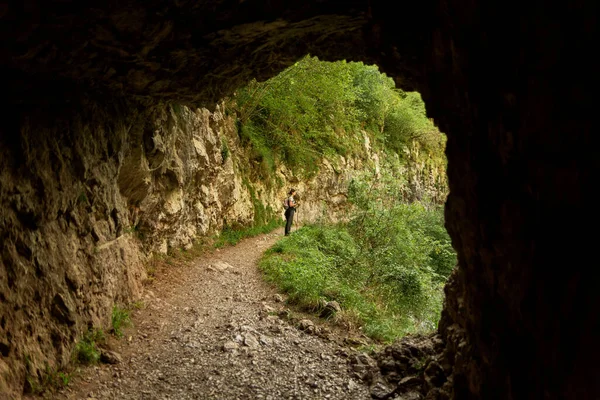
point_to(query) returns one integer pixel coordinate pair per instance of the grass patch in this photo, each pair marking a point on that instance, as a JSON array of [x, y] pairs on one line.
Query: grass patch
[[87, 351], [137, 305], [175, 257], [315, 264], [385, 277], [232, 236], [49, 381], [55, 379], [198, 248], [120, 319], [82, 199], [224, 150], [316, 109], [265, 221]]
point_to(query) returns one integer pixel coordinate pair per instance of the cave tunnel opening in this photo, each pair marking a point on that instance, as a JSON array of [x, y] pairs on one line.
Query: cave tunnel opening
[[389, 213], [512, 86]]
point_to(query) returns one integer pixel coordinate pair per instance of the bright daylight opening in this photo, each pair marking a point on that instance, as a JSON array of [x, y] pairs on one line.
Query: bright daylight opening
[[380, 251]]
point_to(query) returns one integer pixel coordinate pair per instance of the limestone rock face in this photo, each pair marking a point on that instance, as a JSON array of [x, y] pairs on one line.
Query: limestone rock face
[[180, 186], [66, 254], [86, 199], [186, 188]]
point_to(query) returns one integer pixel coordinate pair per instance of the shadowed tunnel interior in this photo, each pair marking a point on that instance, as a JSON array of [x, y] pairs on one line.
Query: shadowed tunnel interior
[[511, 84]]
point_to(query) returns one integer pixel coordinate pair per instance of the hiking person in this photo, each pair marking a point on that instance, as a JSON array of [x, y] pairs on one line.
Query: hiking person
[[290, 209]]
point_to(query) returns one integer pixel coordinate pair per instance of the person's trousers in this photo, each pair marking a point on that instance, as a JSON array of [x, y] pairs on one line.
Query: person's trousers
[[289, 218]]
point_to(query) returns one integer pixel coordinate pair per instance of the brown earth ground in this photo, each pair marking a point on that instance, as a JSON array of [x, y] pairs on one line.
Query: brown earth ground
[[210, 327]]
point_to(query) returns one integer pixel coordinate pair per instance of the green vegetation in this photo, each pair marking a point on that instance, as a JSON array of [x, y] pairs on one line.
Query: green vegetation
[[262, 215], [86, 351], [131, 229], [120, 319], [386, 266], [137, 305], [224, 150], [50, 380], [174, 255], [53, 379], [265, 220], [318, 109], [232, 236], [82, 198], [315, 110]]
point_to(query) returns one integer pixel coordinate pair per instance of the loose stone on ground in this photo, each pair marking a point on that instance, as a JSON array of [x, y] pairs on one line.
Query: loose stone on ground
[[215, 330]]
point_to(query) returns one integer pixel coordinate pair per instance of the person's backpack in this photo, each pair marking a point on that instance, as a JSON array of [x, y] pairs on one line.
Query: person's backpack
[[285, 203]]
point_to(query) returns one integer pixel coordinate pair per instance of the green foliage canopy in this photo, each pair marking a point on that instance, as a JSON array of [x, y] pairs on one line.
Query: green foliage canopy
[[317, 109]]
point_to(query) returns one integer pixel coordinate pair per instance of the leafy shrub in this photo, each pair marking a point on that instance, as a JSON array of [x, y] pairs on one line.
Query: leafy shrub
[[317, 109], [386, 267], [86, 351]]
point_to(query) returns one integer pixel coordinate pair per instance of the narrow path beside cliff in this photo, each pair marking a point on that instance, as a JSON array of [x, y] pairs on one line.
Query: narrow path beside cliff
[[212, 328]]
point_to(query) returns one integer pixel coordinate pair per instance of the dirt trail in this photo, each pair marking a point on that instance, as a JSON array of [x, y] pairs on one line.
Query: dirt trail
[[211, 330]]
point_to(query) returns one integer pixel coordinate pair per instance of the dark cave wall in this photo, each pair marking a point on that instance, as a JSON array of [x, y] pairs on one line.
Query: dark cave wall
[[64, 256], [189, 51], [523, 153], [511, 84]]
